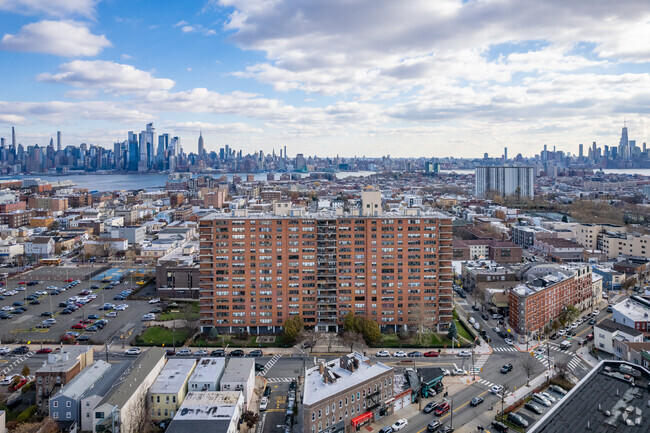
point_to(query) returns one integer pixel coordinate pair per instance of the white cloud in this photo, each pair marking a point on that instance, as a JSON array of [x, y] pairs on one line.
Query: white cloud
[[60, 38], [56, 8], [109, 76], [187, 29], [13, 119]]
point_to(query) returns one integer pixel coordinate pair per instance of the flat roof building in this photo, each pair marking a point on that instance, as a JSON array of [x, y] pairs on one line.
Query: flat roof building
[[207, 375], [239, 375], [169, 389], [212, 411]]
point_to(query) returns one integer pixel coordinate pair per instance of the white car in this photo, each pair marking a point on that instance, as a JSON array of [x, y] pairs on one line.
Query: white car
[[574, 325], [8, 308], [124, 305], [465, 353], [445, 372], [400, 354], [120, 308], [496, 389], [538, 398], [458, 372], [596, 312], [540, 351], [561, 332], [148, 317], [7, 380], [548, 396], [399, 424], [263, 404], [383, 354], [154, 301], [112, 314], [5, 350], [21, 288], [509, 342], [133, 351]]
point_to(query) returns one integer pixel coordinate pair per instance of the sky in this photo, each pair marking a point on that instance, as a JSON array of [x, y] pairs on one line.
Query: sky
[[329, 77]]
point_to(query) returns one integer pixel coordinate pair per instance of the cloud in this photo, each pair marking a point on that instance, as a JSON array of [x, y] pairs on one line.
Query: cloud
[[56, 8], [194, 28], [231, 128], [187, 29], [60, 38], [69, 113], [109, 76], [12, 119]]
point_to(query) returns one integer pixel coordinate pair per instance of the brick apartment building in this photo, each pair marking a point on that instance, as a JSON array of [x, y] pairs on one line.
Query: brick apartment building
[[257, 271], [537, 303]]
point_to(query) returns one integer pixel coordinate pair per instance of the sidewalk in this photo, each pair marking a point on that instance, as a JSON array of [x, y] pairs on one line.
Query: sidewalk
[[408, 412]]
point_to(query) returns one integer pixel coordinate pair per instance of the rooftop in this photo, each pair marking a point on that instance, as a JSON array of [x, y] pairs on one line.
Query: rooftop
[[634, 309], [84, 380], [602, 402], [211, 410], [316, 389], [63, 361], [173, 376], [238, 369], [611, 326], [319, 215], [208, 370]]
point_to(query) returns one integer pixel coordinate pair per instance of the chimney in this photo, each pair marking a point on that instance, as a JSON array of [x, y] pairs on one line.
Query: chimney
[[321, 368]]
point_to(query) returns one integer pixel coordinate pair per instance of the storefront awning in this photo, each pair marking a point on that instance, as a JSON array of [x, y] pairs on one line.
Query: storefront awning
[[362, 419]]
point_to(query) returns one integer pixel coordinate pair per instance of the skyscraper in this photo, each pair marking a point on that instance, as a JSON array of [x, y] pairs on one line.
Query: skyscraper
[[581, 151], [623, 145], [505, 153], [201, 145], [146, 148], [58, 141], [13, 137]]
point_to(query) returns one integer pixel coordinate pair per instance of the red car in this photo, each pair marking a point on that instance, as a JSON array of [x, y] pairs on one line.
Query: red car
[[22, 283], [17, 386], [86, 321], [44, 350], [442, 409], [78, 326], [431, 354], [68, 280], [67, 338]]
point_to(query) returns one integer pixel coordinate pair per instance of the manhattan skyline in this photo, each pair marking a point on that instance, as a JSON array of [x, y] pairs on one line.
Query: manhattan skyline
[[450, 78]]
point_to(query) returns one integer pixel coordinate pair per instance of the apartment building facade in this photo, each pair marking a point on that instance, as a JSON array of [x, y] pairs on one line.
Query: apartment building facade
[[536, 304], [257, 271]]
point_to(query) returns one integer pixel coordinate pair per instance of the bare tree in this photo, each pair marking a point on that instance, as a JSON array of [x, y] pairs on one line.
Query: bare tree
[[250, 418], [189, 318], [353, 338], [562, 368], [308, 338], [140, 417], [528, 364]]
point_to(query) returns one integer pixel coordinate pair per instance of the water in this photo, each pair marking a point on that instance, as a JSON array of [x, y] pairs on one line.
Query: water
[[117, 182], [630, 171]]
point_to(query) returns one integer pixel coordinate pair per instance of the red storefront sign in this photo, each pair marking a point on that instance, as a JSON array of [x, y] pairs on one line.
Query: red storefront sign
[[364, 419]]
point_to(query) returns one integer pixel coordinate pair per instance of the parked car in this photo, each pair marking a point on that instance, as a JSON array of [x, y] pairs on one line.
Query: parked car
[[464, 353], [17, 386], [236, 352], [533, 408], [83, 339], [431, 354], [509, 342], [415, 354], [263, 404], [201, 352], [458, 372], [549, 397], [558, 389], [485, 316], [218, 352], [434, 425], [476, 401], [21, 350], [499, 426], [430, 407], [44, 350], [400, 354], [400, 424], [383, 354], [259, 367], [184, 352], [538, 398], [5, 350], [517, 419], [255, 353], [133, 351]]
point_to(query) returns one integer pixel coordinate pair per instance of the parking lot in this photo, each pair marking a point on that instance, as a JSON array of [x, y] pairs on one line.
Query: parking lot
[[24, 327], [529, 413]]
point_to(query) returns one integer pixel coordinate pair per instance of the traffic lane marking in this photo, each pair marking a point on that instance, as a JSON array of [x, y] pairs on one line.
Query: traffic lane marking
[[456, 409]]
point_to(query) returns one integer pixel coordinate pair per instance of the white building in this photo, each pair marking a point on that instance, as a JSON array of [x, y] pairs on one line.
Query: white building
[[239, 375], [606, 331], [207, 374], [505, 180], [210, 411], [633, 312]]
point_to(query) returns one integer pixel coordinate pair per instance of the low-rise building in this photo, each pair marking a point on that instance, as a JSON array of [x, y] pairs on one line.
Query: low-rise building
[[239, 375], [478, 276], [635, 313], [207, 375], [59, 369], [344, 394], [607, 331], [210, 411], [125, 405], [169, 389], [40, 247]]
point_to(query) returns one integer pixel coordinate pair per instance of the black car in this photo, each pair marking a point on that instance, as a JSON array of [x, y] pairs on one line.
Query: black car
[[18, 304], [553, 336], [18, 311], [31, 297], [517, 420], [66, 311], [267, 391], [434, 425], [83, 338], [475, 307], [430, 407], [293, 385], [255, 353], [34, 302], [46, 314], [94, 287], [93, 316], [5, 316], [484, 316], [499, 426], [476, 401], [20, 350], [504, 334], [592, 321], [218, 352], [236, 352], [259, 367], [506, 368], [63, 304]]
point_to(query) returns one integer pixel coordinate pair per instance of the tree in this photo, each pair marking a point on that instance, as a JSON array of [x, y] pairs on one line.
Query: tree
[[350, 323], [189, 317], [562, 369], [250, 418], [214, 334], [628, 283], [292, 328], [452, 334], [25, 371], [352, 338], [565, 219], [371, 331], [528, 364], [308, 339]]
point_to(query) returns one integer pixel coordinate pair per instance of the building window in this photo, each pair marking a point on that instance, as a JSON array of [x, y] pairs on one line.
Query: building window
[[68, 415], [157, 399], [68, 404], [55, 415], [313, 416], [320, 414], [174, 399], [340, 404], [55, 404]]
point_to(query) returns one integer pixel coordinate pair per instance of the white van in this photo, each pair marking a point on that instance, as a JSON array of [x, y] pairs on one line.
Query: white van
[[566, 344], [472, 320]]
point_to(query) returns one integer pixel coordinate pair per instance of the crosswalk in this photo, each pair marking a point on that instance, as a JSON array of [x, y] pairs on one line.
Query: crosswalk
[[280, 379], [504, 349], [543, 357], [269, 364], [574, 363], [480, 362], [486, 383]]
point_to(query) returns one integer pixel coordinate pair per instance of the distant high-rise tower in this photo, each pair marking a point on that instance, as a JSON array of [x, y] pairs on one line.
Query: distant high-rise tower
[[623, 144], [580, 151], [13, 137], [285, 152], [58, 141], [201, 145], [505, 153], [594, 152]]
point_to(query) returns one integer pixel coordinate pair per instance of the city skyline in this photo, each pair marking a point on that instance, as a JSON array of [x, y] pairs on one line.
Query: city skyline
[[326, 81]]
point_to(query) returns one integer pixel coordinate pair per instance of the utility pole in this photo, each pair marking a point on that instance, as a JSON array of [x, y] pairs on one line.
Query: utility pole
[[473, 369]]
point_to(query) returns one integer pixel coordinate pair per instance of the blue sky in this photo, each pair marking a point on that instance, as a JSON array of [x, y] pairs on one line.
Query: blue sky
[[326, 77]]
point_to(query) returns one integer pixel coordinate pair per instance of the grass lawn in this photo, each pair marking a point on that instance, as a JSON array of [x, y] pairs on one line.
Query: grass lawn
[[178, 313], [158, 335], [462, 332]]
